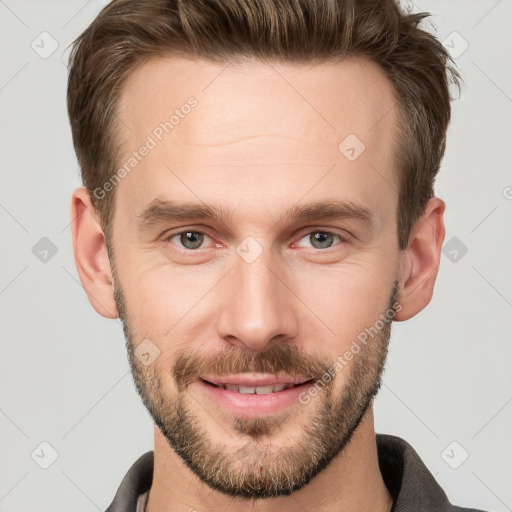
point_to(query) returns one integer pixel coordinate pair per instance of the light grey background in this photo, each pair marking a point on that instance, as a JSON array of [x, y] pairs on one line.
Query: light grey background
[[64, 374]]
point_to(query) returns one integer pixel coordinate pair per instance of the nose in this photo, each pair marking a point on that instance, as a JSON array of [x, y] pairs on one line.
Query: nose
[[258, 305]]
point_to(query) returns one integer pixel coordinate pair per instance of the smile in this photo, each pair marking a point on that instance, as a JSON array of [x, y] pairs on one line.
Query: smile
[[245, 395], [258, 390]]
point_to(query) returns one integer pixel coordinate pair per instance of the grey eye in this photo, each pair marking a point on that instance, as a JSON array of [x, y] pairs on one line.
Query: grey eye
[[191, 239], [321, 240]]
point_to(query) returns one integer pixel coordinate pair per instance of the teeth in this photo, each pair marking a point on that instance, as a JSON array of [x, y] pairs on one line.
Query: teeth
[[264, 390], [245, 389], [259, 390]]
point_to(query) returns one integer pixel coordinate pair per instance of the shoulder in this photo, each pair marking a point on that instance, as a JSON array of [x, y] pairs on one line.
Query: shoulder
[[409, 481], [462, 509]]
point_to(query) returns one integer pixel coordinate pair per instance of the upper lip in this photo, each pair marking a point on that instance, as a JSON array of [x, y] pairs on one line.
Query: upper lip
[[254, 381]]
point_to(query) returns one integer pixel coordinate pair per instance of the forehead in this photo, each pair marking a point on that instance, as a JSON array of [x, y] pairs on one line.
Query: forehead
[[263, 125]]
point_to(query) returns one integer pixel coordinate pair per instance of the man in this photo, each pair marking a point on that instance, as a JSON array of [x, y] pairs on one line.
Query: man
[[258, 208]]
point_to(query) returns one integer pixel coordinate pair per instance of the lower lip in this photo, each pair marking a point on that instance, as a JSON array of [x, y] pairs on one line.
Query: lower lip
[[252, 404]]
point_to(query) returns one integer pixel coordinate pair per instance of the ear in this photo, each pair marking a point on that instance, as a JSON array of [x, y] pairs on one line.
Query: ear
[[420, 261], [90, 252]]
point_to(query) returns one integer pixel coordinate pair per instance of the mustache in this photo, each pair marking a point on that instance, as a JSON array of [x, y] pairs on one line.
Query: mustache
[[275, 360]]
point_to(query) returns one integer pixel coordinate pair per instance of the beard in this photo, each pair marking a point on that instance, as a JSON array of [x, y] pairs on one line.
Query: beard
[[252, 466]]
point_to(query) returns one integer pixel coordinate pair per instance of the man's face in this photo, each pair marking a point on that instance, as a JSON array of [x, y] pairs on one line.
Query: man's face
[[262, 292]]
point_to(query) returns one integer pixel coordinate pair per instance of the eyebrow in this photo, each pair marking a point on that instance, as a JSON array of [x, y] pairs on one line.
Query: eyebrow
[[166, 210]]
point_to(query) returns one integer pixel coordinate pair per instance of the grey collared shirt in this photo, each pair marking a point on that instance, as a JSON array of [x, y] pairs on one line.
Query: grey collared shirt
[[408, 480]]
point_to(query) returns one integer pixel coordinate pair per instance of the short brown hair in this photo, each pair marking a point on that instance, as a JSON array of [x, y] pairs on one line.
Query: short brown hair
[[128, 32]]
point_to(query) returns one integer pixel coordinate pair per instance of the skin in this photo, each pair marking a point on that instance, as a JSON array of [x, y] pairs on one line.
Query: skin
[[262, 139]]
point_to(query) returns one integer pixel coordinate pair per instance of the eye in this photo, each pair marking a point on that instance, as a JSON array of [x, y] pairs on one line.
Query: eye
[[321, 239], [189, 239]]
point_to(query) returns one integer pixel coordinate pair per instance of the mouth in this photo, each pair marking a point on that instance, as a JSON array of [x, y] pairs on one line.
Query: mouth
[[257, 390], [247, 396]]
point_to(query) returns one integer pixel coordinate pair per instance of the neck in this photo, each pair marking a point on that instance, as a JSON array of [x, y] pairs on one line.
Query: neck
[[352, 481]]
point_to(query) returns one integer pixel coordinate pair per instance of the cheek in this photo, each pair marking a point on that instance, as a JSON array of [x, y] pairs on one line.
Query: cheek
[[167, 304], [346, 299]]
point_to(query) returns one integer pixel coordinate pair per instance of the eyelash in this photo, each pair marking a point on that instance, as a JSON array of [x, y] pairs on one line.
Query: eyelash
[[169, 237]]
